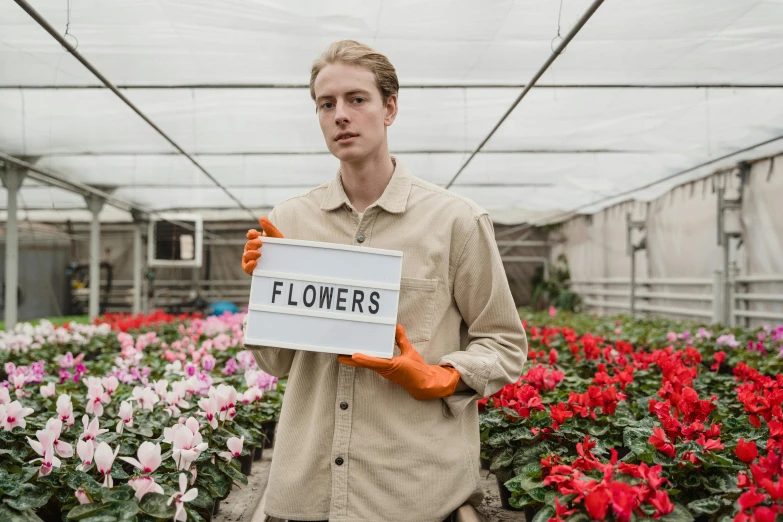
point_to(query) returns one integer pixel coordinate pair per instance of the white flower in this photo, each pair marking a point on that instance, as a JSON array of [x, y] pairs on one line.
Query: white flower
[[47, 390], [235, 446], [146, 397], [181, 497], [104, 458], [143, 485], [126, 416], [86, 451], [149, 457]]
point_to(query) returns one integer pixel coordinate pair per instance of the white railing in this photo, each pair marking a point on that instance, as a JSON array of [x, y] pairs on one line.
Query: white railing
[[604, 295]]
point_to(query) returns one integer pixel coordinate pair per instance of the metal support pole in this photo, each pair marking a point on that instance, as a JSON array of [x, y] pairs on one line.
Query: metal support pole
[[717, 297], [631, 249], [95, 204], [137, 267], [12, 179]]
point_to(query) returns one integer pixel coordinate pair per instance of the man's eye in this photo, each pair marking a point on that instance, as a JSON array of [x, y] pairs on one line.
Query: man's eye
[[326, 105], [358, 100]]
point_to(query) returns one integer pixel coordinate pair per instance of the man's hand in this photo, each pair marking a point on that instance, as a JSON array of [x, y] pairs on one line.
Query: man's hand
[[409, 370], [253, 246]]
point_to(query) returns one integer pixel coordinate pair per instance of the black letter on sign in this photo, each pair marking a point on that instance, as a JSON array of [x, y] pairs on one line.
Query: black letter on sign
[[275, 291], [358, 297], [312, 301], [290, 294], [326, 294], [374, 300], [341, 299]]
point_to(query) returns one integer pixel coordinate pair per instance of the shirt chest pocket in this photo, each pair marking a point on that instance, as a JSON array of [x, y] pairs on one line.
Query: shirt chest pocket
[[417, 307]]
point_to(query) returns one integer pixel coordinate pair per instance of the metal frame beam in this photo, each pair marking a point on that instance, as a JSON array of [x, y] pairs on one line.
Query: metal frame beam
[[423, 86]]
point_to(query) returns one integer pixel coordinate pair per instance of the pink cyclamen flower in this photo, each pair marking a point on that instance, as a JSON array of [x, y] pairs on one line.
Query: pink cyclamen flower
[[235, 448], [5, 396], [209, 405], [55, 427], [227, 399], [671, 336], [552, 311], [104, 458], [208, 363], [181, 497], [126, 416], [92, 429], [186, 445], [149, 457], [82, 496], [110, 383], [44, 447], [143, 485], [47, 390], [146, 397], [65, 409], [96, 399], [19, 381], [13, 415], [86, 451]]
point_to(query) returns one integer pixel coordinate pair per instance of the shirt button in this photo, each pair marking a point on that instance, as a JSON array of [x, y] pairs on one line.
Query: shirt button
[[339, 461], [360, 239], [343, 405]]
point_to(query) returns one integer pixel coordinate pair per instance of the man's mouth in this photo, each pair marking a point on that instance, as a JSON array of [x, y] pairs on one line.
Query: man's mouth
[[345, 136]]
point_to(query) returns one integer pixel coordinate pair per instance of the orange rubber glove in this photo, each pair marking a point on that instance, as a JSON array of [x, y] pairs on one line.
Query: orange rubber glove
[[423, 381], [253, 246]]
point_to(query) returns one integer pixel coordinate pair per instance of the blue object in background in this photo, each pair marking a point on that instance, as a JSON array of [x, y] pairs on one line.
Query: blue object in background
[[220, 307]]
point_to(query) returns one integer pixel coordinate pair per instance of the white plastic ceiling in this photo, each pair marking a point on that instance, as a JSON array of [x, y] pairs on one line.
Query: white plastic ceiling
[[580, 137]]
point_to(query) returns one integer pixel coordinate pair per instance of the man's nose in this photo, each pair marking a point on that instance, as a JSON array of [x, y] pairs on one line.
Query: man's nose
[[340, 113]]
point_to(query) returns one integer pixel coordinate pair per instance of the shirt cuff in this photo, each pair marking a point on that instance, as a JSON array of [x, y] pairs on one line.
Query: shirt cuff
[[475, 368]]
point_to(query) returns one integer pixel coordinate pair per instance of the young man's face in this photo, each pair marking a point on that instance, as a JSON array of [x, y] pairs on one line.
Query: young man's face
[[351, 111]]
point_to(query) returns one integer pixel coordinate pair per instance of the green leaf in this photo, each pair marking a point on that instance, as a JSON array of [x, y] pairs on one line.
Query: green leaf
[[76, 479], [110, 437], [32, 499], [578, 517], [28, 473], [538, 494], [124, 492], [83, 511], [154, 505], [705, 506], [117, 472], [231, 471], [143, 431], [545, 514], [597, 431], [503, 459], [100, 518], [203, 501], [522, 483], [10, 515], [125, 511], [721, 484], [680, 514]]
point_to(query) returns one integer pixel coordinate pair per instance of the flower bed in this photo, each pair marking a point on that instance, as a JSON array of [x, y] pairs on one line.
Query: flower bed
[[99, 424], [620, 420]]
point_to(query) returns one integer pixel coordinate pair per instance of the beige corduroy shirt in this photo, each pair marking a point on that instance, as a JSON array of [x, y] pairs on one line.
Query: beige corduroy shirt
[[352, 446]]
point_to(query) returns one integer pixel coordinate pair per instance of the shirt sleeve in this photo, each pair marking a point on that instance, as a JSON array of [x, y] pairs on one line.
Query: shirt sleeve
[[497, 345], [274, 361]]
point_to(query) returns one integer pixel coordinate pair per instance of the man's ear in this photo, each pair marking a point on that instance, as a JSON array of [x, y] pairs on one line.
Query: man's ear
[[391, 110]]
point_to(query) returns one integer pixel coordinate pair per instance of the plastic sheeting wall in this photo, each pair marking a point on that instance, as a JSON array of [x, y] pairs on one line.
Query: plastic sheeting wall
[[681, 230]]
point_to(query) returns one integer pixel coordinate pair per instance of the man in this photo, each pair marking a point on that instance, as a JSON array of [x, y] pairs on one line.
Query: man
[[375, 440]]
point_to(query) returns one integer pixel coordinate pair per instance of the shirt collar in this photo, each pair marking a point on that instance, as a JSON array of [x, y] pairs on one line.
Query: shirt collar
[[393, 200]]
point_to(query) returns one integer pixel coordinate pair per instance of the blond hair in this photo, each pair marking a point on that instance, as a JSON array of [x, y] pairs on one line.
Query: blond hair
[[354, 53]]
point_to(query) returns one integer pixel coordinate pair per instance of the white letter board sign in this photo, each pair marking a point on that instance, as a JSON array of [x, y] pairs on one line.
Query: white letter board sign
[[324, 297]]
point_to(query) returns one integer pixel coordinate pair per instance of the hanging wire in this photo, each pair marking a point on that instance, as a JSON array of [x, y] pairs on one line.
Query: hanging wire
[[68, 27], [559, 19]]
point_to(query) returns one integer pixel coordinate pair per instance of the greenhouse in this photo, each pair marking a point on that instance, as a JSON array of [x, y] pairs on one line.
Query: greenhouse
[[391, 260]]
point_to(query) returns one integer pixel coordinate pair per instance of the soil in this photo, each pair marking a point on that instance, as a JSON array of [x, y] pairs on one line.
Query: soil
[[490, 507]]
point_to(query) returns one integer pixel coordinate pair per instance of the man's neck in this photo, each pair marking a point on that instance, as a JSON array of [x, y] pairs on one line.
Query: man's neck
[[364, 182]]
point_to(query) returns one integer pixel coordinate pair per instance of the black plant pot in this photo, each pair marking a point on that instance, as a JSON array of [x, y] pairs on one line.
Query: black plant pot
[[530, 513], [247, 463], [258, 453], [485, 463], [505, 495], [216, 508], [269, 431]]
